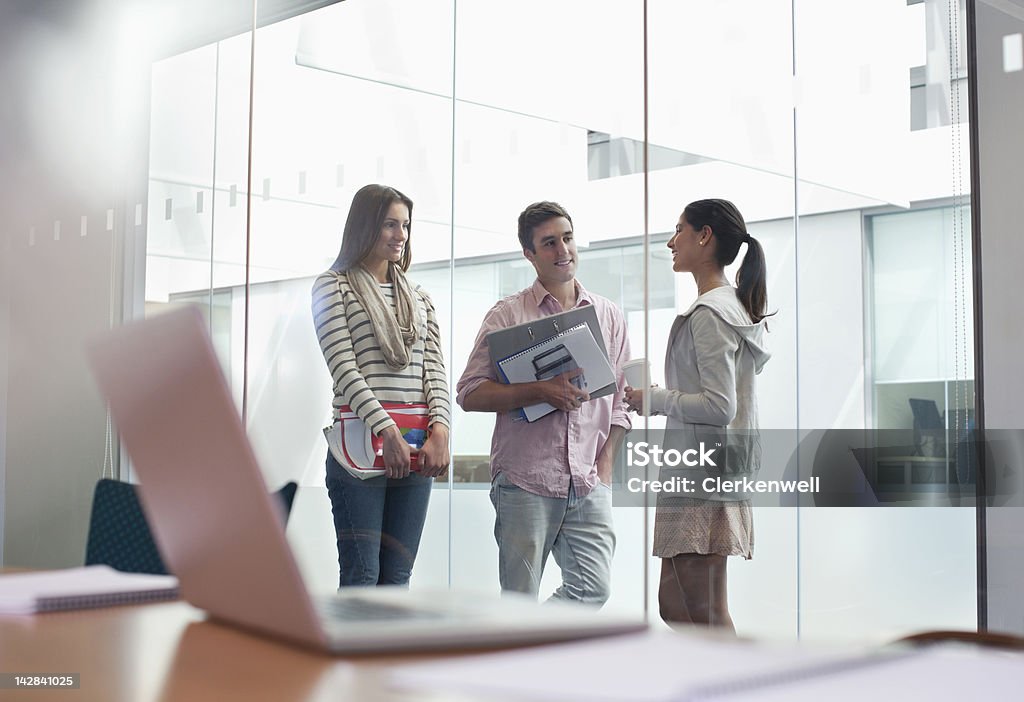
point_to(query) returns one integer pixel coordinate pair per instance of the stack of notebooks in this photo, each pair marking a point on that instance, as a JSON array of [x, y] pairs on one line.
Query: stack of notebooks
[[81, 588], [544, 348]]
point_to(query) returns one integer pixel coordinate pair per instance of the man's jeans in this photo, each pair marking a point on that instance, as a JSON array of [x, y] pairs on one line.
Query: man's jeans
[[378, 523], [577, 531]]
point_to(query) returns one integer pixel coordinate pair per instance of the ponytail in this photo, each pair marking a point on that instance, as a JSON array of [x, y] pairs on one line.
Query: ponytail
[[730, 232], [751, 280]]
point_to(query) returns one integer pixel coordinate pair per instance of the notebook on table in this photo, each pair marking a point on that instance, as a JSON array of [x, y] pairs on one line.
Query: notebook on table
[[81, 588], [223, 536]]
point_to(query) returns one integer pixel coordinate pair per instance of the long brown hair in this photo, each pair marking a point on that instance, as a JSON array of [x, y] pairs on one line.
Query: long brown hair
[[730, 232], [366, 217]]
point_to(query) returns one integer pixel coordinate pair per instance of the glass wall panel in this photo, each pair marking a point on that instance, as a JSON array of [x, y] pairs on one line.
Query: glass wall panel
[[350, 94], [848, 159], [198, 169], [884, 311], [720, 93], [544, 110]]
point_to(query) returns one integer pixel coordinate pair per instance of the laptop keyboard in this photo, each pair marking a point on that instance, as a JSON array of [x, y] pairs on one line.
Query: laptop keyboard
[[351, 609]]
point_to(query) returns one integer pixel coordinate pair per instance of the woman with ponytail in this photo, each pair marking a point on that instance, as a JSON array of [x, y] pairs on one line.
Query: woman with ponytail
[[715, 350]]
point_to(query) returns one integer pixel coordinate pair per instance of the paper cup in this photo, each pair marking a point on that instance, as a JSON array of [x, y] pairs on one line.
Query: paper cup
[[634, 372]]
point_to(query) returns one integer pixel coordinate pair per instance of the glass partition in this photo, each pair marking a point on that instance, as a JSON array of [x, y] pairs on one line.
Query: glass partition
[[883, 307], [347, 95], [836, 151], [719, 86], [847, 157], [544, 110]]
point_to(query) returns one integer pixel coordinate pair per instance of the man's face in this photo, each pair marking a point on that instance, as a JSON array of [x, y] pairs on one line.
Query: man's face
[[554, 254]]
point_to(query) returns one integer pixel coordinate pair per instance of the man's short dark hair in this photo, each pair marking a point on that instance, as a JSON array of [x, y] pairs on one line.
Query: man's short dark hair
[[535, 215]]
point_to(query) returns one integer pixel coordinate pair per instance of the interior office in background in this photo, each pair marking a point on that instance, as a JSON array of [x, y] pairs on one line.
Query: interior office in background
[[169, 153]]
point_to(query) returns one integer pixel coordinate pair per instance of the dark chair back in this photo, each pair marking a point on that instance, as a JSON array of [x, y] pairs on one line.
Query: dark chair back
[[991, 639], [119, 535]]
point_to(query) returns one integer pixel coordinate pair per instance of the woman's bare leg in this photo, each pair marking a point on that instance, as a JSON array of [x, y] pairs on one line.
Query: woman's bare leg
[[694, 590]]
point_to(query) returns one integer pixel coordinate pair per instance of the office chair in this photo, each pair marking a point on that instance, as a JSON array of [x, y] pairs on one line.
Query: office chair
[[119, 535]]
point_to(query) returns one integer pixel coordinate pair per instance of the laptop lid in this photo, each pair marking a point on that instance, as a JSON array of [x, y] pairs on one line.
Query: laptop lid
[[203, 492]]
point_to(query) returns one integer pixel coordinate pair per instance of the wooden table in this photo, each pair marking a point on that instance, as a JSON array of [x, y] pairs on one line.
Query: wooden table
[[168, 651]]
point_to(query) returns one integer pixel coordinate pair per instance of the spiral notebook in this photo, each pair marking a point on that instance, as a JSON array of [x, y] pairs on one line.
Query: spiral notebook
[[81, 588], [567, 350]]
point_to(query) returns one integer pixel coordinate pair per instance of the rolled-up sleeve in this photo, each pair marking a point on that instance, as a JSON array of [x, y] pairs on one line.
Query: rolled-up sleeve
[[619, 353], [479, 367]]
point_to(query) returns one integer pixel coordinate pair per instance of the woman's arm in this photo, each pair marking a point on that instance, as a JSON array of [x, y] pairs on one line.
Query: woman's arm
[[435, 455], [715, 344], [331, 310], [435, 376]]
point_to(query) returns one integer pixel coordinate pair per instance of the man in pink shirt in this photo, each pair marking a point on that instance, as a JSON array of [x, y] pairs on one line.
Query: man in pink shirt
[[550, 479]]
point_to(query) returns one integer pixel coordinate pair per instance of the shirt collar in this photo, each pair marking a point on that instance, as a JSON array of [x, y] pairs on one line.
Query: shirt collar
[[539, 293]]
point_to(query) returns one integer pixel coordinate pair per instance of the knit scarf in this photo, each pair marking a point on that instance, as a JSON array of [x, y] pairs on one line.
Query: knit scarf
[[397, 330]]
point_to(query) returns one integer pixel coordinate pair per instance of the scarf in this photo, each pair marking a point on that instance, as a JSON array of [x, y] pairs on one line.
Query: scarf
[[397, 330]]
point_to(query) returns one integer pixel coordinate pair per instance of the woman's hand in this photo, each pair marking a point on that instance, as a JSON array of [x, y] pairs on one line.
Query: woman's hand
[[634, 399], [434, 456], [396, 453]]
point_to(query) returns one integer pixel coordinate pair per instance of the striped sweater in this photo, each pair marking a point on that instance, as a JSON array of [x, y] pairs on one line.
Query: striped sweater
[[362, 379]]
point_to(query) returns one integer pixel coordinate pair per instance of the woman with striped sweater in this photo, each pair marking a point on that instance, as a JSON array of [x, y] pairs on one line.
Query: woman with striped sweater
[[379, 335]]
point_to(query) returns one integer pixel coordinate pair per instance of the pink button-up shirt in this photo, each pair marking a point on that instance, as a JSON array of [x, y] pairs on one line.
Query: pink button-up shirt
[[543, 456]]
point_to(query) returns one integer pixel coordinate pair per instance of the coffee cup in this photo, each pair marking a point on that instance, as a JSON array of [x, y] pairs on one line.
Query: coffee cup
[[635, 371]]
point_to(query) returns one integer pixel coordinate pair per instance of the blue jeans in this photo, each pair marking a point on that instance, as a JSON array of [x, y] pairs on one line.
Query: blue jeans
[[577, 531], [378, 523]]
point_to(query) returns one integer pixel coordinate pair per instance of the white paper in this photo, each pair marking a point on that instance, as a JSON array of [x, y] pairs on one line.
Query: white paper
[[650, 667], [74, 588], [576, 347], [938, 674]]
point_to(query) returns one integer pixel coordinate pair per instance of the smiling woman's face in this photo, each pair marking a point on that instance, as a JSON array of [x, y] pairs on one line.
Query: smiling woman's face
[[394, 233], [685, 245]]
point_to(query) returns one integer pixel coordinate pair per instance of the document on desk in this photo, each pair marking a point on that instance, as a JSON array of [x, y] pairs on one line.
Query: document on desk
[[81, 588], [937, 674], [650, 667]]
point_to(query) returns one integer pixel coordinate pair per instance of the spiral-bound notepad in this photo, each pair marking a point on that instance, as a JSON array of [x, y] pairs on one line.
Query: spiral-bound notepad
[[568, 350], [81, 588]]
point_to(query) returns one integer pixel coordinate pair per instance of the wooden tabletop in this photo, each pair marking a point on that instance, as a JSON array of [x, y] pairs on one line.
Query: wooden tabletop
[[169, 652]]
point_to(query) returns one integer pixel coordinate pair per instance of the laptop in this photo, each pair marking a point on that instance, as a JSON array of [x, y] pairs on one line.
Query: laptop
[[222, 534]]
